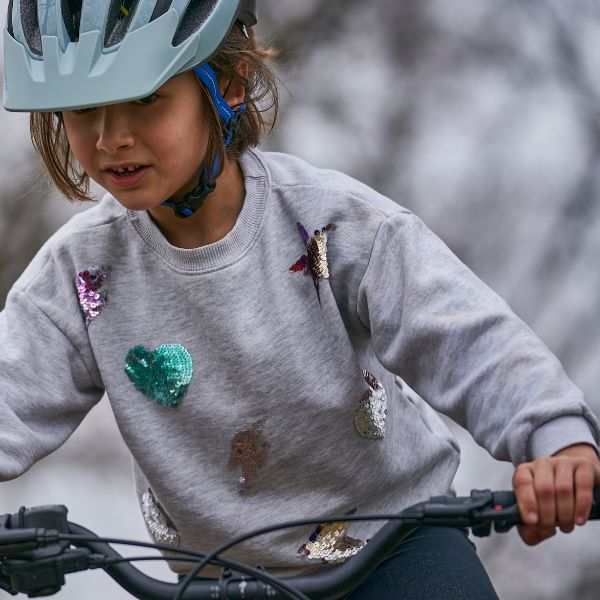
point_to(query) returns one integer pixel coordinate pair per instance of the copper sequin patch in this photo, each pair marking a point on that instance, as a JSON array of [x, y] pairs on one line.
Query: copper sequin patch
[[369, 416], [92, 298], [329, 543], [249, 450], [315, 259], [159, 524]]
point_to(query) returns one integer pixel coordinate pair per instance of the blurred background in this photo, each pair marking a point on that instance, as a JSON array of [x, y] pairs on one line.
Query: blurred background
[[481, 116]]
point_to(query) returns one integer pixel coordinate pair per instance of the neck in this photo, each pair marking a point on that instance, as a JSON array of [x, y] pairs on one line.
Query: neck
[[213, 220]]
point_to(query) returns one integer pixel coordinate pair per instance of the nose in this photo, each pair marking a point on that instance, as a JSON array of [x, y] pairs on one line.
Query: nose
[[114, 130]]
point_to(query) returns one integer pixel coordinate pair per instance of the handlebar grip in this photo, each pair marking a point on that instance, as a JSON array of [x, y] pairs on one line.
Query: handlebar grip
[[507, 498], [504, 498], [595, 512], [17, 541]]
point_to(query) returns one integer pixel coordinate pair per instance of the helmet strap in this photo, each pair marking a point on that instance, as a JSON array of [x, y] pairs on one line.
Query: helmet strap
[[193, 200]]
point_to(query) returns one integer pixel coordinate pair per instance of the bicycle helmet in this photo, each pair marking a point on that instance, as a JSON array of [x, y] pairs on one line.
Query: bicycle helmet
[[71, 54], [67, 54]]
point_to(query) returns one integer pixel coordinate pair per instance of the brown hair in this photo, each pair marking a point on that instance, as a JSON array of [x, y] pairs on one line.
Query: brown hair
[[50, 140]]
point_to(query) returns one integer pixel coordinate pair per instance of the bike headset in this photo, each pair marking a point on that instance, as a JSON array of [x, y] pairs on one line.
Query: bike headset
[[73, 54]]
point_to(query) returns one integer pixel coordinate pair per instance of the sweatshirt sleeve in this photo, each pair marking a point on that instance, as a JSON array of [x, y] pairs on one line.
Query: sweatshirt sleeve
[[459, 346], [47, 384]]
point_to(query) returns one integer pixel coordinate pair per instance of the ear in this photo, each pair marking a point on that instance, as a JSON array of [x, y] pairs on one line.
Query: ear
[[234, 92]]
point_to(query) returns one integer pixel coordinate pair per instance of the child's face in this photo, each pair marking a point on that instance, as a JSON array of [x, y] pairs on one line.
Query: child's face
[[166, 133]]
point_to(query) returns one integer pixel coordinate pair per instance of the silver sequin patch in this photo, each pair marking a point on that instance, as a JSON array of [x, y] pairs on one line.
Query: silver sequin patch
[[159, 525], [369, 416], [329, 543]]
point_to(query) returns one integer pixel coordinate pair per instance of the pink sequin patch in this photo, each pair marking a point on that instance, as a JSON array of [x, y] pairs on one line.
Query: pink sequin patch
[[92, 296]]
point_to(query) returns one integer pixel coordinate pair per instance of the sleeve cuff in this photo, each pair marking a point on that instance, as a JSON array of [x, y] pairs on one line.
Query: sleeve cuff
[[558, 434]]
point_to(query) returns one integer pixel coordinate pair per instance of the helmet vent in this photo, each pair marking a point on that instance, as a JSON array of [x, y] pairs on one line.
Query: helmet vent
[[71, 14], [194, 17], [120, 15], [31, 26], [160, 8], [247, 14], [9, 24]]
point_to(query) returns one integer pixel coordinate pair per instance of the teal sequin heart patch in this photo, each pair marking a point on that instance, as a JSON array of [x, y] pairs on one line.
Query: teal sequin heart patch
[[163, 374]]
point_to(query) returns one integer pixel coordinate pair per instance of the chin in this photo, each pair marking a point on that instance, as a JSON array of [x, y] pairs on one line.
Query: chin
[[133, 201]]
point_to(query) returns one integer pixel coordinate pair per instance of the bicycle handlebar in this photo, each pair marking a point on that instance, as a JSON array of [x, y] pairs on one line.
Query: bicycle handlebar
[[36, 550]]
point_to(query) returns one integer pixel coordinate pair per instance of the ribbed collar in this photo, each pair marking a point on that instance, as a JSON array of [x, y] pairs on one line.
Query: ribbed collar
[[234, 245]]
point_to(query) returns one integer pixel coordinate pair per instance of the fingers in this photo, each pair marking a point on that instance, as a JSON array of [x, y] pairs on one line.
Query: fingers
[[523, 484], [565, 495], [584, 482], [534, 535], [534, 490], [545, 492], [556, 490], [534, 485]]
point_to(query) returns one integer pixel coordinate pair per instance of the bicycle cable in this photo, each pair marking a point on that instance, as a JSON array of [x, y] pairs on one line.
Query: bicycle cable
[[273, 581], [256, 532], [496, 507], [234, 565], [287, 525], [257, 573]]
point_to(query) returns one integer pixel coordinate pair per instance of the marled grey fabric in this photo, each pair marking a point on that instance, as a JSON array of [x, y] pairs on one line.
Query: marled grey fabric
[[273, 367]]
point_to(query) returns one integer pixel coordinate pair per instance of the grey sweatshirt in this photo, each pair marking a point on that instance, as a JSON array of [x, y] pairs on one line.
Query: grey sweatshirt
[[270, 375]]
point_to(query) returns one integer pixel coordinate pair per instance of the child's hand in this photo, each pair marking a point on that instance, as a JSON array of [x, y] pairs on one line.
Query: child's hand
[[556, 491]]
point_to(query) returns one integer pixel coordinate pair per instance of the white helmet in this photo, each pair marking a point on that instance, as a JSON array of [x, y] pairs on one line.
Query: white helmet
[[66, 54]]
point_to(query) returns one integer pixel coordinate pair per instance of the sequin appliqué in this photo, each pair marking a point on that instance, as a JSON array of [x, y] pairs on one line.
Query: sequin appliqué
[[329, 543], [163, 374], [315, 259], [369, 416], [92, 298], [159, 525], [249, 450]]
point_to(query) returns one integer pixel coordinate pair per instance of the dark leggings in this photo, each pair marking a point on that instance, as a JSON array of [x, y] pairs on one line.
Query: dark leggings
[[433, 563]]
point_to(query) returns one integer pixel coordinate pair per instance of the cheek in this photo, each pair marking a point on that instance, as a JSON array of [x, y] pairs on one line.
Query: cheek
[[182, 146], [82, 147]]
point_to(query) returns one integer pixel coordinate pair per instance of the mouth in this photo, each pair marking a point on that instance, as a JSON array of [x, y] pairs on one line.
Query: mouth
[[127, 176], [125, 170]]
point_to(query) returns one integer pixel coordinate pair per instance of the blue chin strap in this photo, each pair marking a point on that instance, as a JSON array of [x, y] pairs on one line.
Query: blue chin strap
[[193, 200]]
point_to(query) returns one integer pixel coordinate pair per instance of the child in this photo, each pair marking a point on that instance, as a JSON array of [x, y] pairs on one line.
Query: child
[[253, 319]]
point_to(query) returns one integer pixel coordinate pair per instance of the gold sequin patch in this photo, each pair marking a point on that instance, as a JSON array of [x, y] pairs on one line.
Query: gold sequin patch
[[329, 543], [369, 416], [249, 450], [317, 254], [315, 259], [159, 524]]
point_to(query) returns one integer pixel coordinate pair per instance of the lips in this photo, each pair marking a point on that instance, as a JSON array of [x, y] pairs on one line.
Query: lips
[[127, 176], [129, 165], [124, 170]]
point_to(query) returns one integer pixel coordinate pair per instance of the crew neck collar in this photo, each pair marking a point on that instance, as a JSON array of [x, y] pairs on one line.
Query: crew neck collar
[[228, 249]]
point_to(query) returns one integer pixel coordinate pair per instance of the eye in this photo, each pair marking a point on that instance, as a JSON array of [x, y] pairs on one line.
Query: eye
[[146, 100], [82, 111]]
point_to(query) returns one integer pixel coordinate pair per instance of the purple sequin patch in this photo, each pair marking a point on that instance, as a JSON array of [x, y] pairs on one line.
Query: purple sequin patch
[[92, 298]]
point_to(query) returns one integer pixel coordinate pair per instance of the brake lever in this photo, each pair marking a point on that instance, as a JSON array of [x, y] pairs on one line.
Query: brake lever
[[6, 585], [477, 511], [45, 576]]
